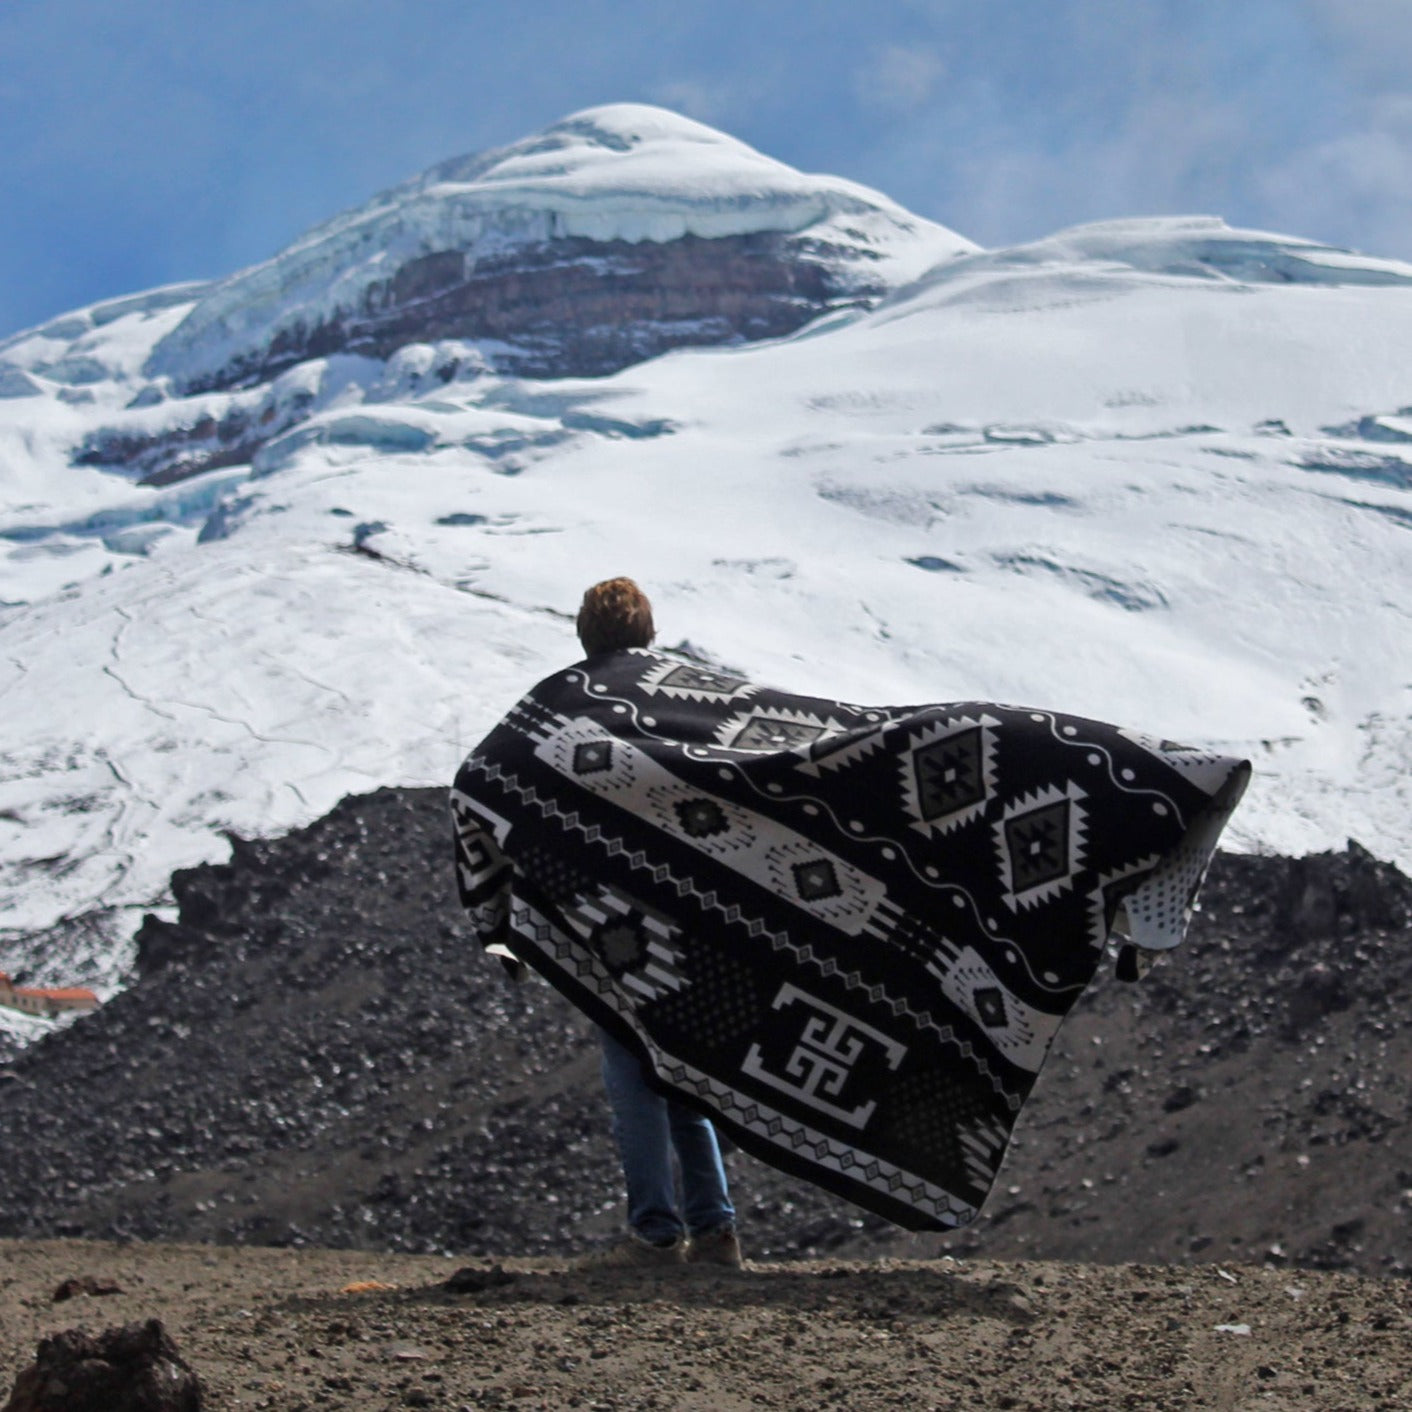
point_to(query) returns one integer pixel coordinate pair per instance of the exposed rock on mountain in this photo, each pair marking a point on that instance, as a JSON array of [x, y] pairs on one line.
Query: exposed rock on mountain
[[577, 307], [567, 308], [316, 1053]]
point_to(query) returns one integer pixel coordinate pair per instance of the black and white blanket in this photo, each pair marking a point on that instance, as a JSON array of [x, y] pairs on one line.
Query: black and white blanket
[[847, 933]]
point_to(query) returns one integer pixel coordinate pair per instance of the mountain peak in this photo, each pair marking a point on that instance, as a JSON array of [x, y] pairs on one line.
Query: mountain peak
[[589, 137], [429, 259], [633, 153]]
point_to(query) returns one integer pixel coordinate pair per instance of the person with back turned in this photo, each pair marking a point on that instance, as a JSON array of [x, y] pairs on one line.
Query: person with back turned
[[650, 1130], [742, 885]]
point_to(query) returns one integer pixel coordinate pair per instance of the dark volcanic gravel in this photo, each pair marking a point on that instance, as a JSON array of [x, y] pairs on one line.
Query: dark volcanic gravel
[[317, 1053]]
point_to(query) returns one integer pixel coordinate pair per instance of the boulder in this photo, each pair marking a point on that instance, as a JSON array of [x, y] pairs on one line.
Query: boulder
[[135, 1368]]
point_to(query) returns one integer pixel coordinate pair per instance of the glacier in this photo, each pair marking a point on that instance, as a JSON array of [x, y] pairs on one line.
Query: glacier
[[622, 173], [1154, 471]]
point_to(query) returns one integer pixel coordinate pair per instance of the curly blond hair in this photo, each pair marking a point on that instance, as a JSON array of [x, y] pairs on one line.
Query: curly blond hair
[[614, 614]]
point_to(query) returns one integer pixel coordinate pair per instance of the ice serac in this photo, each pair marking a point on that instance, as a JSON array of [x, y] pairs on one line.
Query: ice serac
[[610, 237]]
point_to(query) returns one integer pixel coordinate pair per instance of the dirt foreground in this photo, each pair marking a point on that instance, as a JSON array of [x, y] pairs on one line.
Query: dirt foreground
[[290, 1329]]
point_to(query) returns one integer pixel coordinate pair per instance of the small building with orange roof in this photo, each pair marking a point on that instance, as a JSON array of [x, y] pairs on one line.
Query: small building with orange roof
[[44, 1001]]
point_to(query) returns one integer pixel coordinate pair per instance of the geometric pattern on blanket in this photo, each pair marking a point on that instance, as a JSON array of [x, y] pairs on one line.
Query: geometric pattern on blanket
[[847, 933]]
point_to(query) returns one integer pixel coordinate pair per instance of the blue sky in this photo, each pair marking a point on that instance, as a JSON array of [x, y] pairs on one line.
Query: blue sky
[[156, 140]]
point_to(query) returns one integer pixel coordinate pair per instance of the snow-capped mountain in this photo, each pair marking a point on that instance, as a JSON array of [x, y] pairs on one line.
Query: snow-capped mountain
[[312, 528], [607, 239]]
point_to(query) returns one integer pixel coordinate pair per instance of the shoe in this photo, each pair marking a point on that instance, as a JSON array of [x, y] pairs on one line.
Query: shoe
[[633, 1253], [718, 1247]]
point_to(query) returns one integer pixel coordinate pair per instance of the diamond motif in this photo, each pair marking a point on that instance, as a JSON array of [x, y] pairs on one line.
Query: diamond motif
[[592, 756], [762, 732], [1038, 843], [701, 818], [816, 880], [990, 1006], [950, 774], [621, 945], [699, 679]]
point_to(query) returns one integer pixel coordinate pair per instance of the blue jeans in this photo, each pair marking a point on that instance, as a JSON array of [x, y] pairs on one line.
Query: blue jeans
[[648, 1129]]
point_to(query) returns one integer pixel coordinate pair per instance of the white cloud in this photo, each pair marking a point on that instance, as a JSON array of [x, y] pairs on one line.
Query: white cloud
[[899, 76], [1370, 39], [1354, 189], [1166, 156], [694, 99], [730, 99], [1355, 185]]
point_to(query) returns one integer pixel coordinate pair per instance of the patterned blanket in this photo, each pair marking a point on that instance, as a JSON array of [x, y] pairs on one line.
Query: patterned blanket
[[846, 933]]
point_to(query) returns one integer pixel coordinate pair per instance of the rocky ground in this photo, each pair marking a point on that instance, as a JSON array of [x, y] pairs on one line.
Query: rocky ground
[[291, 1330], [316, 1054]]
